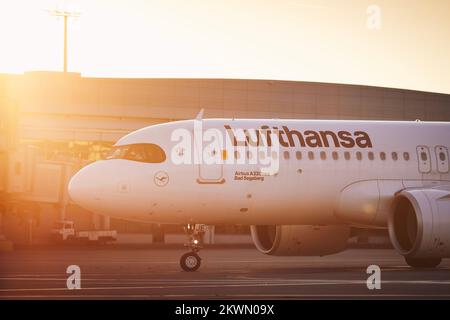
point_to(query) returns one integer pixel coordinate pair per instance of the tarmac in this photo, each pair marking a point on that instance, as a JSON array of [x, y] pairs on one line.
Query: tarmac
[[153, 272]]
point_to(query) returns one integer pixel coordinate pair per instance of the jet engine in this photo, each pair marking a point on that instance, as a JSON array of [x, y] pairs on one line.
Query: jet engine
[[419, 225], [300, 240]]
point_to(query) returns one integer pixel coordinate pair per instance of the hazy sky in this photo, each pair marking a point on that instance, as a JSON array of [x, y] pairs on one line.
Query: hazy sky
[[311, 40]]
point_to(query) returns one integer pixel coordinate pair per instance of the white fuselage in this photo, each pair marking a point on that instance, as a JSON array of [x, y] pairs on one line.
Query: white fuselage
[[346, 180]]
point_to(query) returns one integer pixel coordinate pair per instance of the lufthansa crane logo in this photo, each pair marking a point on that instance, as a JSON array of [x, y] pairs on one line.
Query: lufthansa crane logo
[[161, 178]]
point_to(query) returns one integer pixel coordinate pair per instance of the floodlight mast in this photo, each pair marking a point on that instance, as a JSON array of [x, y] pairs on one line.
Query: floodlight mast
[[66, 15]]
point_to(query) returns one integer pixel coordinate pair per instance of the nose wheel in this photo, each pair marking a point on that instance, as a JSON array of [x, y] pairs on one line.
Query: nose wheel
[[191, 261]]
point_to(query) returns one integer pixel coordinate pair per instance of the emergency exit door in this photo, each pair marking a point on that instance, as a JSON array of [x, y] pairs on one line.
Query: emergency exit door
[[424, 159], [442, 159]]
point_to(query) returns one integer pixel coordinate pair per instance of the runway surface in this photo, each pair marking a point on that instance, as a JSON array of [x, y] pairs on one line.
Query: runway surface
[[130, 273]]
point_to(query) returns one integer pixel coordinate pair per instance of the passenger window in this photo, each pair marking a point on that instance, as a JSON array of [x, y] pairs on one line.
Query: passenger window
[[358, 155], [237, 155], [383, 156], [142, 152], [249, 155], [311, 155], [347, 155], [286, 155], [298, 155], [394, 156], [262, 155], [224, 154], [442, 156], [335, 155], [323, 155], [406, 156], [371, 156]]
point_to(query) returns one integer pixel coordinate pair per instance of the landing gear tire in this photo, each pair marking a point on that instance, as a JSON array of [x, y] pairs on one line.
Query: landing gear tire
[[190, 261], [423, 262]]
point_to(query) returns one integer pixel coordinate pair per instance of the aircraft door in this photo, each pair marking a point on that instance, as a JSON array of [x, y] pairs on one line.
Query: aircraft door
[[210, 169], [442, 159], [427, 166], [423, 156]]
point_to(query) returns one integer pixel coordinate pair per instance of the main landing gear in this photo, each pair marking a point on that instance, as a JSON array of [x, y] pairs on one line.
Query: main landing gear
[[190, 261]]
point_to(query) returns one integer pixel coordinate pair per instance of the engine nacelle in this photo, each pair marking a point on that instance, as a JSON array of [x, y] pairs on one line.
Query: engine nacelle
[[300, 240], [419, 223]]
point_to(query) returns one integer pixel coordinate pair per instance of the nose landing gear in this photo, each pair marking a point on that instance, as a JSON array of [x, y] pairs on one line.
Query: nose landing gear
[[190, 261]]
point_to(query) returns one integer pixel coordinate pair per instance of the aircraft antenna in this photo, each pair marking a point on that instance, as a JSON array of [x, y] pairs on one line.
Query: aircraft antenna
[[200, 114]]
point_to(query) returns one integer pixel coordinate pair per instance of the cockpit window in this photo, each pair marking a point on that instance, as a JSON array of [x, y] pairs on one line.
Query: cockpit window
[[142, 152]]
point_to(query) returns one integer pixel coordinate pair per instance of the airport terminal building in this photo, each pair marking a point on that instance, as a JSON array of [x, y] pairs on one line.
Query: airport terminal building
[[52, 124]]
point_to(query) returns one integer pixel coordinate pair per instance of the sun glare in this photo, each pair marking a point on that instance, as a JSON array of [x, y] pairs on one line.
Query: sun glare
[[402, 44]]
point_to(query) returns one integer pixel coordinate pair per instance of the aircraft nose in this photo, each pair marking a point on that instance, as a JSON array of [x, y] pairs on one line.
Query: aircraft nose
[[83, 187]]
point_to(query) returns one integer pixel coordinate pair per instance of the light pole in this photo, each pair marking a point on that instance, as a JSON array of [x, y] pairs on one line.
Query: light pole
[[66, 15]]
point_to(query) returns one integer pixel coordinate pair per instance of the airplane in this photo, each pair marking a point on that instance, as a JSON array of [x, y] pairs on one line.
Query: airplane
[[302, 186]]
